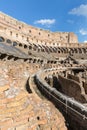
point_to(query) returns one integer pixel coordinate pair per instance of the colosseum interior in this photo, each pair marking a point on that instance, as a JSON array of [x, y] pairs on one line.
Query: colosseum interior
[[43, 81]]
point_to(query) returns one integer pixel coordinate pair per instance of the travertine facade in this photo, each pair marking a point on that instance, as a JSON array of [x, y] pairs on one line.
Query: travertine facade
[[20, 31], [35, 62]]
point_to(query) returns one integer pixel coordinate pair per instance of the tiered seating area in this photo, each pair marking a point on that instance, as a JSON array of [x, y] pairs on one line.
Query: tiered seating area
[[33, 59], [67, 94], [52, 52], [20, 107]]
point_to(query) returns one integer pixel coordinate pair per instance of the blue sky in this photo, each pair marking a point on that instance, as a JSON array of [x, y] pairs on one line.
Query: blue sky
[[54, 15]]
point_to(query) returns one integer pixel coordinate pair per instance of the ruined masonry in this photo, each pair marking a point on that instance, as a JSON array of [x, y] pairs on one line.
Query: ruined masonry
[[43, 78]]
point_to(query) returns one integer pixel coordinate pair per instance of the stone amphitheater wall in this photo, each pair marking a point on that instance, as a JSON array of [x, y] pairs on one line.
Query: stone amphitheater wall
[[85, 87], [23, 32], [73, 77], [73, 89], [70, 87], [54, 96]]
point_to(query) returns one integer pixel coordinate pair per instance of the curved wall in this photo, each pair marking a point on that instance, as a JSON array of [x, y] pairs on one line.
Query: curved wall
[[21, 31]]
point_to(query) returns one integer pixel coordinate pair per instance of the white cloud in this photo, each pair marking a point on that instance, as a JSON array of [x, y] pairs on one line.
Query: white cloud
[[45, 22], [81, 10], [83, 31], [85, 41]]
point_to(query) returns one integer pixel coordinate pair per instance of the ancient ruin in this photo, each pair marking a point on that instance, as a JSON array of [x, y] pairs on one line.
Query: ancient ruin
[[43, 81]]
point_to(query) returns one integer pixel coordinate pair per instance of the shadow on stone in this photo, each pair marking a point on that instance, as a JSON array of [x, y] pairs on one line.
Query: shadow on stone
[[28, 87]]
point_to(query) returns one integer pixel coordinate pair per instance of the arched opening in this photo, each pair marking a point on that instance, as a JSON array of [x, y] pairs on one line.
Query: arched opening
[[27, 39], [2, 56], [2, 39], [30, 47], [16, 35], [14, 43], [39, 33], [25, 46], [20, 44], [9, 41], [80, 51], [76, 50], [84, 50], [58, 51]]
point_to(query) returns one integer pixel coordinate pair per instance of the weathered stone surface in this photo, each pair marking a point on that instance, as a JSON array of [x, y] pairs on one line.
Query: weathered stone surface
[[12, 92], [23, 51], [21, 110]]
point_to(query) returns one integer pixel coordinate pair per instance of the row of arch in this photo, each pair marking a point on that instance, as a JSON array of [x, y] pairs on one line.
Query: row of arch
[[43, 63], [45, 48]]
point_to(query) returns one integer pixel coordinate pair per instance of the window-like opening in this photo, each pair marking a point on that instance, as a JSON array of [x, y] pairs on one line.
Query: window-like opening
[[11, 33], [2, 39], [9, 41], [39, 33], [22, 37], [20, 44], [29, 31], [16, 35], [30, 47], [14, 43], [2, 56], [38, 118], [42, 50], [25, 46], [19, 27], [48, 35]]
